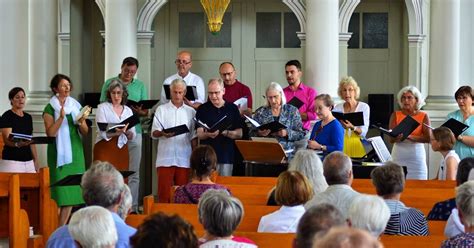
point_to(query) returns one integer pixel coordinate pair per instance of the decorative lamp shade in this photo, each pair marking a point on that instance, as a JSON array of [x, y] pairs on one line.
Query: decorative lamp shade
[[215, 10]]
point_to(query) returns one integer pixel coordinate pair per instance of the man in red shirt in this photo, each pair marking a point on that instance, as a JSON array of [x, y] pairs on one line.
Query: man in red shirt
[[235, 90]]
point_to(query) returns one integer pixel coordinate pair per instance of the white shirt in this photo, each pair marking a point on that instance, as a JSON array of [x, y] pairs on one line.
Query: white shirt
[[106, 114], [442, 166], [191, 80], [454, 225], [284, 220], [361, 107], [338, 195], [174, 151]]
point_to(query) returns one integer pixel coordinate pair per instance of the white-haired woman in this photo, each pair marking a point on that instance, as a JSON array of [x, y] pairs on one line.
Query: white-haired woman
[[373, 221], [411, 151], [349, 91], [276, 109], [93, 226]]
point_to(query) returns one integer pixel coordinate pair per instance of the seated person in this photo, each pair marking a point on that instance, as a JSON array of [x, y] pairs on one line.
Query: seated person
[[292, 192], [442, 210], [203, 164], [220, 214], [347, 237], [161, 230], [370, 213], [464, 201], [276, 109], [317, 221], [389, 182], [327, 134], [93, 226]]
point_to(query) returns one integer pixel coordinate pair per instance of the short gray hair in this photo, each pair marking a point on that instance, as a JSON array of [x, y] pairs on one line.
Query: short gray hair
[[337, 167], [464, 202], [309, 164], [219, 81], [115, 83], [219, 213], [276, 87], [93, 227], [126, 203], [370, 213], [176, 82], [102, 185], [415, 92]]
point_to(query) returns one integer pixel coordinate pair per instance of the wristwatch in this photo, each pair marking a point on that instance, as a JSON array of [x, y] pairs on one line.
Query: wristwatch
[[460, 137], [323, 147], [16, 145]]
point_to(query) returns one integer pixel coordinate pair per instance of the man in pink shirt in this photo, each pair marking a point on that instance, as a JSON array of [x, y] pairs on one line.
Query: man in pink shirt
[[297, 89], [234, 90]]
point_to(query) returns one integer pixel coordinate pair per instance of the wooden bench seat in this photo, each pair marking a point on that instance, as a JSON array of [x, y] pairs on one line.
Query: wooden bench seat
[[393, 241]]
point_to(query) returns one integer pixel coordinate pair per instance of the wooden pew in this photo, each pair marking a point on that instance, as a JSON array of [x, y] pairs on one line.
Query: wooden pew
[[436, 227], [15, 224], [393, 241], [189, 212], [263, 240]]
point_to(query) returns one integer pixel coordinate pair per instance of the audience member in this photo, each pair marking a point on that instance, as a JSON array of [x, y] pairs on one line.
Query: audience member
[[293, 190], [222, 141], [308, 163], [464, 201], [220, 214], [327, 134], [410, 152], [172, 157], [338, 173], [389, 182], [102, 185], [112, 146], [345, 237], [184, 63], [136, 91], [161, 230], [126, 204], [370, 213], [302, 92], [442, 210], [93, 227], [66, 155], [442, 141], [349, 91], [203, 164], [18, 156], [317, 220], [277, 109], [464, 146]]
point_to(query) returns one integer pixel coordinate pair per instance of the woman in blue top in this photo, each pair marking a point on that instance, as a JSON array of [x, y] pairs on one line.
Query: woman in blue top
[[464, 146], [327, 134]]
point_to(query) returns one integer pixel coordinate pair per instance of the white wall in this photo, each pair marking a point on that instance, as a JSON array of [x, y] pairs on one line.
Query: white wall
[[466, 65]]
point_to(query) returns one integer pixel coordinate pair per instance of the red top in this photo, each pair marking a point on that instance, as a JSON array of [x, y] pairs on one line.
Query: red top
[[236, 91]]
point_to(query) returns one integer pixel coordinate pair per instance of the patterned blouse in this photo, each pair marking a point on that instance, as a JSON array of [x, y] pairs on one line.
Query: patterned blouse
[[289, 116], [191, 192], [463, 240], [442, 210], [405, 221]]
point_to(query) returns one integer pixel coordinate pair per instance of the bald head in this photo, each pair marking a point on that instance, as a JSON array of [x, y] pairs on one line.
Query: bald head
[[337, 168]]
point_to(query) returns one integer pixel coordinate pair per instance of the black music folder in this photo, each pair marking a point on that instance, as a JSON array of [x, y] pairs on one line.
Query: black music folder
[[75, 179], [191, 92], [177, 130], [112, 127], [273, 126], [145, 104], [222, 124], [406, 127], [456, 126], [18, 137], [43, 140], [295, 101], [356, 118]]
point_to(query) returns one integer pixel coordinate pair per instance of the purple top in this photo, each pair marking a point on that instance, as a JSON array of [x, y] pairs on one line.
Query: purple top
[[461, 240], [306, 95], [191, 192]]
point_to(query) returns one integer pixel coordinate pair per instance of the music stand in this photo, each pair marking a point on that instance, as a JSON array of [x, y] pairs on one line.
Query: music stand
[[260, 152]]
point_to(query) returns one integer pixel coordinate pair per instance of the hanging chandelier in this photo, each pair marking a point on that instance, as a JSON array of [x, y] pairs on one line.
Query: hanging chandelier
[[215, 10]]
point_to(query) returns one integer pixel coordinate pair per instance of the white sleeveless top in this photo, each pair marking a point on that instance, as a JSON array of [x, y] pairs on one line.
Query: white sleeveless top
[[442, 166]]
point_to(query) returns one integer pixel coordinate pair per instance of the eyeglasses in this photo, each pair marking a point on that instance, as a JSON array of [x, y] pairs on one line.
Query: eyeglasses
[[227, 73], [127, 71], [182, 62]]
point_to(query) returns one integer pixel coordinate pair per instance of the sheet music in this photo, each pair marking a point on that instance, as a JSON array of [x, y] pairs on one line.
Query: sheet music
[[380, 148], [254, 122], [242, 103]]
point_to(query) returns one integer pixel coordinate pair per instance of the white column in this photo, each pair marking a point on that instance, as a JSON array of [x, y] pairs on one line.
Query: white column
[[42, 44], [444, 54], [322, 45], [120, 34], [343, 39], [144, 40]]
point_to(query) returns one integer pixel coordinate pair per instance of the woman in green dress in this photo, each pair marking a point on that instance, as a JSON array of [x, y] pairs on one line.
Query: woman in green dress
[[66, 156]]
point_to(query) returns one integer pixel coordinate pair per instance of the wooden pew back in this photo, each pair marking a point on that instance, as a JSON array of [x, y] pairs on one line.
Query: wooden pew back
[[393, 241]]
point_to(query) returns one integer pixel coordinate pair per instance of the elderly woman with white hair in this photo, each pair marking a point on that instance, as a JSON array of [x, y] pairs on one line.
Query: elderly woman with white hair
[[276, 109], [411, 151], [349, 91], [373, 221], [93, 227], [464, 202], [220, 214]]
